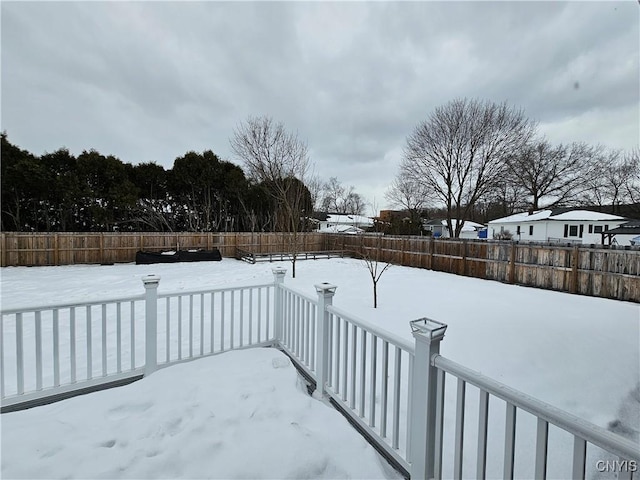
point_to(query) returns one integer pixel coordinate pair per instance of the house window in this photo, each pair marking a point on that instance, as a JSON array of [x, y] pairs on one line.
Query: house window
[[591, 228], [518, 230], [573, 231], [581, 230], [530, 229], [606, 227], [597, 229], [566, 230]]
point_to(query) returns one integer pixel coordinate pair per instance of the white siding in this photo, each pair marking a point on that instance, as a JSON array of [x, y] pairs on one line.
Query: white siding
[[554, 230]]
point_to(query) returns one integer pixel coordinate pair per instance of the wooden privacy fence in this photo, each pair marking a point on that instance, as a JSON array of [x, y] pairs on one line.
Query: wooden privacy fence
[[610, 272], [36, 249]]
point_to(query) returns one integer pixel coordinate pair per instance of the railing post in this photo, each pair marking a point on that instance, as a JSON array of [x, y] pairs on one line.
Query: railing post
[[325, 291], [278, 279], [151, 323], [427, 334]]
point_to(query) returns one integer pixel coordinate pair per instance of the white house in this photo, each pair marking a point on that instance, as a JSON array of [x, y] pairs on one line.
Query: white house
[[342, 223], [562, 225], [439, 229], [350, 229]]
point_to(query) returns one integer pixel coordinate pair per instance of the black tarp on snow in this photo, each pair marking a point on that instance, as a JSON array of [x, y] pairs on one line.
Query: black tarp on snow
[[145, 258]]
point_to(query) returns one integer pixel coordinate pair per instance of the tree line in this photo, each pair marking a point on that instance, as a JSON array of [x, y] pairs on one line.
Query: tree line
[[94, 192]]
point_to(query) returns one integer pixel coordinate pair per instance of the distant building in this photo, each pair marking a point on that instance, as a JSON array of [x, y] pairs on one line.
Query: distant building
[[349, 229], [439, 229], [390, 215], [626, 234], [342, 223], [560, 225]]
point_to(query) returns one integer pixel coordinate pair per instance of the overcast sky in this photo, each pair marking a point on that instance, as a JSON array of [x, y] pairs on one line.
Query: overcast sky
[[150, 81]]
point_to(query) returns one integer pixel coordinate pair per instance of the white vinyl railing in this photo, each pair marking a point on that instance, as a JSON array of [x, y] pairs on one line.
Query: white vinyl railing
[[195, 324], [298, 335], [368, 373], [57, 349], [52, 348], [392, 390]]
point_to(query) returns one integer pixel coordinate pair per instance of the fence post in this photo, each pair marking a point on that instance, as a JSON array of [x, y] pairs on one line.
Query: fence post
[[427, 334], [151, 323], [573, 286], [325, 291], [512, 263], [278, 279]]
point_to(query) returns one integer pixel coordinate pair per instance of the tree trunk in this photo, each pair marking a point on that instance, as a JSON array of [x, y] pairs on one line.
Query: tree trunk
[[375, 294]]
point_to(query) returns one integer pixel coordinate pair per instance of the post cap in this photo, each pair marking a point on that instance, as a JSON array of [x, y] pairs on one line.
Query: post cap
[[427, 328], [279, 270], [325, 287], [151, 280]]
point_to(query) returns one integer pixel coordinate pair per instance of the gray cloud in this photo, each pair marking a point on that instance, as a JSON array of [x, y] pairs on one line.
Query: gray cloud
[[149, 81]]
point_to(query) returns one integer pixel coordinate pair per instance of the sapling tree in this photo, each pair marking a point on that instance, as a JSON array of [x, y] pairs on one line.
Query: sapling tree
[[372, 258]]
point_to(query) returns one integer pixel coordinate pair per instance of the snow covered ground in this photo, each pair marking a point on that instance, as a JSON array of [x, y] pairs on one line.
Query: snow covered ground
[[580, 354], [238, 415]]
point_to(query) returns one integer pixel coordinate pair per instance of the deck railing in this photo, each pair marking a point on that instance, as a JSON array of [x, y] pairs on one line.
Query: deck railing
[[368, 375], [207, 322], [298, 328], [392, 390], [61, 348], [52, 351]]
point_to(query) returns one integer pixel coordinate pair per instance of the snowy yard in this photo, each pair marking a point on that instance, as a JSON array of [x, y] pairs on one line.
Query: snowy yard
[[580, 354], [238, 415]]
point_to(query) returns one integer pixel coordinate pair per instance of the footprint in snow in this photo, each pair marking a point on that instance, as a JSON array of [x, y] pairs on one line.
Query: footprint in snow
[[280, 362]]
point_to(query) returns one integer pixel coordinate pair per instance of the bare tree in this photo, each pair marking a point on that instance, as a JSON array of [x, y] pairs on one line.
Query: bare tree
[[410, 194], [613, 173], [338, 199], [353, 203], [460, 152], [552, 176], [617, 179], [278, 159], [315, 186], [332, 194], [632, 186], [372, 258]]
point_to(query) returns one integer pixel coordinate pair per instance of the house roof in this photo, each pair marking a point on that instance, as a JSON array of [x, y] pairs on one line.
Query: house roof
[[319, 216], [349, 219], [630, 228], [341, 229], [468, 226], [559, 215]]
